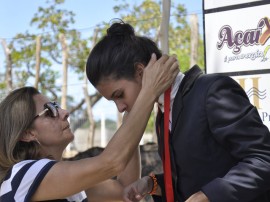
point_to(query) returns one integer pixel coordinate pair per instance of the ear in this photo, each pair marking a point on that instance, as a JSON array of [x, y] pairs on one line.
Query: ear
[[139, 67], [28, 136]]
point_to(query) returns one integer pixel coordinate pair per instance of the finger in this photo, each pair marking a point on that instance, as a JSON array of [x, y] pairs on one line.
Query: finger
[[153, 59], [171, 60], [175, 66], [175, 73], [163, 59], [138, 196], [129, 197], [170, 78]]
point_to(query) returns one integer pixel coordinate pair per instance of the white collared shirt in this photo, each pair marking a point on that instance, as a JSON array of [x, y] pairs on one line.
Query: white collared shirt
[[174, 90]]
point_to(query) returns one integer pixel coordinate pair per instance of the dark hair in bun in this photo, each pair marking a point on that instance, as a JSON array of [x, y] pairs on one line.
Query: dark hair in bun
[[120, 29], [115, 56]]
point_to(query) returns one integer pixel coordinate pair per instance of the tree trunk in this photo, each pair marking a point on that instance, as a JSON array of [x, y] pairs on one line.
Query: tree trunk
[[65, 70], [164, 31], [164, 41], [91, 134], [194, 25], [8, 75], [38, 54]]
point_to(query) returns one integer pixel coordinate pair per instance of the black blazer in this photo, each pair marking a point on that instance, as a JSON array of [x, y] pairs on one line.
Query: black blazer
[[218, 142]]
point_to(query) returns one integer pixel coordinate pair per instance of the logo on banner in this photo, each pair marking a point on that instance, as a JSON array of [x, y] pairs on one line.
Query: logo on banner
[[253, 93], [250, 37], [257, 96]]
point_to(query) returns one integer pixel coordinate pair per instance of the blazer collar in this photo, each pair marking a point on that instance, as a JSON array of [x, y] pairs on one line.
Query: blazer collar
[[190, 77]]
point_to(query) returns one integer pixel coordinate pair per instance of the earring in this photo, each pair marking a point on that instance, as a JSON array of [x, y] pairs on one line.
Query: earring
[[38, 141]]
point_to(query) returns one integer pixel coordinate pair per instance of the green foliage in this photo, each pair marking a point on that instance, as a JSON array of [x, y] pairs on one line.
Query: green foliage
[[2, 86], [151, 124], [52, 20], [201, 54]]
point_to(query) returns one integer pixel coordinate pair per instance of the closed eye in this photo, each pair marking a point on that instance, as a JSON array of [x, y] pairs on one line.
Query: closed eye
[[118, 96]]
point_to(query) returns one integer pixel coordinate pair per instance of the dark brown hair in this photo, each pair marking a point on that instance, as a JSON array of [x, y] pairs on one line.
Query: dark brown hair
[[118, 52]]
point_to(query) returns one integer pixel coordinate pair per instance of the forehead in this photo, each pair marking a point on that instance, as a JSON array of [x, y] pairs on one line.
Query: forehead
[[107, 87], [40, 100]]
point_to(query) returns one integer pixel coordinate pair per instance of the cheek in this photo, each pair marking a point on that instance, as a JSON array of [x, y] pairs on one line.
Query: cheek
[[133, 96], [49, 127]]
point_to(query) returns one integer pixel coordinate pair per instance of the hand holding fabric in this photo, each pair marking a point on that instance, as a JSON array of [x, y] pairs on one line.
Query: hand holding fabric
[[137, 190], [160, 74]]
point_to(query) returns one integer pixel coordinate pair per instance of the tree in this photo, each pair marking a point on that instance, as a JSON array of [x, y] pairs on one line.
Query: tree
[[194, 39], [8, 75], [38, 57], [65, 69], [38, 54], [164, 30]]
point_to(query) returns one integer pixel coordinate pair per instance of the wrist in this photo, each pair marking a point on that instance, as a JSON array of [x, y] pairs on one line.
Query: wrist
[[152, 184], [150, 94]]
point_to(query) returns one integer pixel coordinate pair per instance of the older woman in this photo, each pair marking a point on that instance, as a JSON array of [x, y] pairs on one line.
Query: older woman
[[34, 132]]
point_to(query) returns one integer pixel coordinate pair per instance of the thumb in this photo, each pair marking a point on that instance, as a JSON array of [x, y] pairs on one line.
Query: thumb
[[139, 196]]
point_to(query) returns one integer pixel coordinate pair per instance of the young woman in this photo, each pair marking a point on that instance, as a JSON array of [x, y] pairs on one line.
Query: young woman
[[34, 132], [220, 149]]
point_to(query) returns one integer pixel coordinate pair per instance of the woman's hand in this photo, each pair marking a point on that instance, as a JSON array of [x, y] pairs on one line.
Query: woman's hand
[[160, 74], [137, 190]]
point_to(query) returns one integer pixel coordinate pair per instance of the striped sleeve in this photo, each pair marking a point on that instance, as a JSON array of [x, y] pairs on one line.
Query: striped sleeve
[[23, 180]]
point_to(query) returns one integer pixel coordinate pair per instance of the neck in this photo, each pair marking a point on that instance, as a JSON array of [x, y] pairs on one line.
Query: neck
[[51, 153]]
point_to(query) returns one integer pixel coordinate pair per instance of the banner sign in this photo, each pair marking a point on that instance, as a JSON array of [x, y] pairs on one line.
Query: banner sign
[[237, 44]]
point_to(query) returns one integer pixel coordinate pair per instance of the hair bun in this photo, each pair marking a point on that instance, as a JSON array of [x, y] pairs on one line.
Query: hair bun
[[120, 29]]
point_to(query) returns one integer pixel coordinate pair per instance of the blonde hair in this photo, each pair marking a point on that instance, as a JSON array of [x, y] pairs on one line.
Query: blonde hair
[[17, 112]]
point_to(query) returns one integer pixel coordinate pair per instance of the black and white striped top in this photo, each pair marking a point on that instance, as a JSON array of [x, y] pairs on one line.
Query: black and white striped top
[[24, 178]]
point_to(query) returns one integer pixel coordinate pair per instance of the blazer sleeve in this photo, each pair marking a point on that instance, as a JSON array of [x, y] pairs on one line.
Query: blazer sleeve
[[236, 125]]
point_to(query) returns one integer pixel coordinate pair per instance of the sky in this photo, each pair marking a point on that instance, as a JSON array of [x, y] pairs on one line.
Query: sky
[[15, 16]]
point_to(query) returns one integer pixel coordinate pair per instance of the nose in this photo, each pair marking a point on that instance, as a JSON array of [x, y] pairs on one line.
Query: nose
[[63, 114], [121, 106]]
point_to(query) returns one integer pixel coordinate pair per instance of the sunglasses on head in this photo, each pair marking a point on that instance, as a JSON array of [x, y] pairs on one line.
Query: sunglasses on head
[[50, 109]]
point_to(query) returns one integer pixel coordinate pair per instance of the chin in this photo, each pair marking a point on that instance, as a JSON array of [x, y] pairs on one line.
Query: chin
[[69, 137]]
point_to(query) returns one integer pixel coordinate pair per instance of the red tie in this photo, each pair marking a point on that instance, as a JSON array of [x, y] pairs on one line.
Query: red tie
[[166, 158]]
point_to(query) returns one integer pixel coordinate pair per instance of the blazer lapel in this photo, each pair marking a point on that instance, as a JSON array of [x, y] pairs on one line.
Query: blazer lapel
[[177, 108], [185, 86]]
